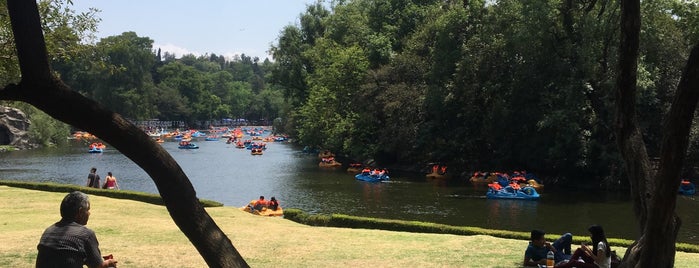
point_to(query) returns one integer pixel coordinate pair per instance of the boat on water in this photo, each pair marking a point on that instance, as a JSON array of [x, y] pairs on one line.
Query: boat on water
[[256, 151], [329, 164], [211, 138], [508, 192], [687, 188], [96, 147], [371, 178], [187, 145], [354, 168]]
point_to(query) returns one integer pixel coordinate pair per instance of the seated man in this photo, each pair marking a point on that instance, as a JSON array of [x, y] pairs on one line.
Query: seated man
[[68, 243], [261, 203], [538, 248]]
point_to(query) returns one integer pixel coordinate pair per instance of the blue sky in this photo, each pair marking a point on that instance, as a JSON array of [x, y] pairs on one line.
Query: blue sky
[[223, 27]]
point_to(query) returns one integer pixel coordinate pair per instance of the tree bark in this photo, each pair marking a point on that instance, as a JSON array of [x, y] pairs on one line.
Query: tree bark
[[42, 89], [654, 195]]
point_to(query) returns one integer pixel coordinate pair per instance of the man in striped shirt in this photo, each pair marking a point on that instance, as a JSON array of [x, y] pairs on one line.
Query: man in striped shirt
[[68, 243]]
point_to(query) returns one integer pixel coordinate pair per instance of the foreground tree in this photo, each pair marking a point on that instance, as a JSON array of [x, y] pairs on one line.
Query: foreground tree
[[40, 88], [654, 195]]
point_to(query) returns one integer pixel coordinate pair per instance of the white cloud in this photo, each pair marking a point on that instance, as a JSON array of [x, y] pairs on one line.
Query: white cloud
[[174, 49]]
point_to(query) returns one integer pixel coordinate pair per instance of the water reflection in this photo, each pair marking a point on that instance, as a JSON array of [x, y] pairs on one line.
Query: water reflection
[[509, 213]]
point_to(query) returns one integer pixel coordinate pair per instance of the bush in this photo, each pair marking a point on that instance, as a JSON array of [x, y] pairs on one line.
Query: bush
[[120, 194], [346, 221]]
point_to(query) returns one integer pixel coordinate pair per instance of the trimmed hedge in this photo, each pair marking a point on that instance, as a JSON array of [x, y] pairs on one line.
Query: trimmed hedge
[[120, 194], [346, 221]]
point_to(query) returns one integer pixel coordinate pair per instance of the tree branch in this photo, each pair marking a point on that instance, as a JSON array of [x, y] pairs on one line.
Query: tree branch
[[48, 93]]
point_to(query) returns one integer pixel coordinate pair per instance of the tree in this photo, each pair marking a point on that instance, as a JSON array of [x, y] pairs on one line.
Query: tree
[[654, 195], [40, 88]]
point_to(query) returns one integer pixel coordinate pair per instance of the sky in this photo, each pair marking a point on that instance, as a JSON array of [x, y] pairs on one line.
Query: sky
[[222, 27]]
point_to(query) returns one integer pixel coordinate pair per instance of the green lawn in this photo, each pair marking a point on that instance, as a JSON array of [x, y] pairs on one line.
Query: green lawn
[[143, 235]]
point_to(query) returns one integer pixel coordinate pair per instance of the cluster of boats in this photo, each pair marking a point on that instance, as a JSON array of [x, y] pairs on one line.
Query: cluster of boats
[[520, 185]]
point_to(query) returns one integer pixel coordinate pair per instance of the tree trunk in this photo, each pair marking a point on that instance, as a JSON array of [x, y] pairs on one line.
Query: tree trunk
[[654, 195], [43, 90]]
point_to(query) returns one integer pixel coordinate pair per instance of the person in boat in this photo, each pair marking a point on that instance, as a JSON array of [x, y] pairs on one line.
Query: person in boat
[[495, 186], [538, 247], [261, 203], [366, 171], [273, 203], [442, 170], [110, 182], [435, 168], [599, 256]]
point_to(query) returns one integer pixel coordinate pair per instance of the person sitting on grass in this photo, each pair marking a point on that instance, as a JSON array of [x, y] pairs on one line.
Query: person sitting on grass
[[538, 248], [68, 243], [599, 256]]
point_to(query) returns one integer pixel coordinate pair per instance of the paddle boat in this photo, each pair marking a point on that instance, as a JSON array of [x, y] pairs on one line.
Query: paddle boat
[[371, 178], [187, 145], [256, 151], [265, 211], [211, 138], [483, 178], [354, 168], [438, 172], [510, 192], [329, 163], [97, 147], [687, 188]]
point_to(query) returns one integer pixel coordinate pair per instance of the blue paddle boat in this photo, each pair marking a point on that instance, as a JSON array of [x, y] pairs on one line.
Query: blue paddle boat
[[95, 150], [687, 188], [526, 193], [188, 145], [371, 178]]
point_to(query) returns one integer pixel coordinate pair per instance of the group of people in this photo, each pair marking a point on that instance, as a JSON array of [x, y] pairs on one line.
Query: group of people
[[598, 255], [93, 180], [261, 204], [374, 172]]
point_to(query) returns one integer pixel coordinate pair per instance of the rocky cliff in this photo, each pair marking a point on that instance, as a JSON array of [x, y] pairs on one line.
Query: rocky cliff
[[14, 126]]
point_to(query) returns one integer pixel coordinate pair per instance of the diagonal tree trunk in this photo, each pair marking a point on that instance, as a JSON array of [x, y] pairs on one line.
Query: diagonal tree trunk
[[42, 89], [654, 195]]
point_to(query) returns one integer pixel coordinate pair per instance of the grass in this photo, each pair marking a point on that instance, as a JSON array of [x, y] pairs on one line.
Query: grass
[[143, 235]]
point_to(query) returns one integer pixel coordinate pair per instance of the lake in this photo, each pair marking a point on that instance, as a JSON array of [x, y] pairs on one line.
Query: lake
[[232, 176]]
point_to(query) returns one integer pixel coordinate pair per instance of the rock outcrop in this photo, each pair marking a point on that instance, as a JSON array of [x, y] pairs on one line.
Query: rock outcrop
[[14, 126]]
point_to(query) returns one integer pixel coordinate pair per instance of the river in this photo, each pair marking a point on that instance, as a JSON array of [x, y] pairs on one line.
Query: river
[[232, 176]]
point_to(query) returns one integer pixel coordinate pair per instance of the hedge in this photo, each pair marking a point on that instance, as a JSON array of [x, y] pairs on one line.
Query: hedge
[[119, 194], [346, 221]]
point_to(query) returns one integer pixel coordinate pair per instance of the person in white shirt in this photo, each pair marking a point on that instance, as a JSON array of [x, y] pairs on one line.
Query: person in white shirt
[[600, 256]]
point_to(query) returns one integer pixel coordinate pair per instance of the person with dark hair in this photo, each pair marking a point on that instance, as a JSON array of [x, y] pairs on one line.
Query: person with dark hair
[[600, 256], [68, 243], [261, 203], [538, 248], [273, 203], [93, 179], [110, 182]]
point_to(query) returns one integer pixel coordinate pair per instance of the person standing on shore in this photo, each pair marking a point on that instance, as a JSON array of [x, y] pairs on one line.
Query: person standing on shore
[[68, 243], [93, 179]]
